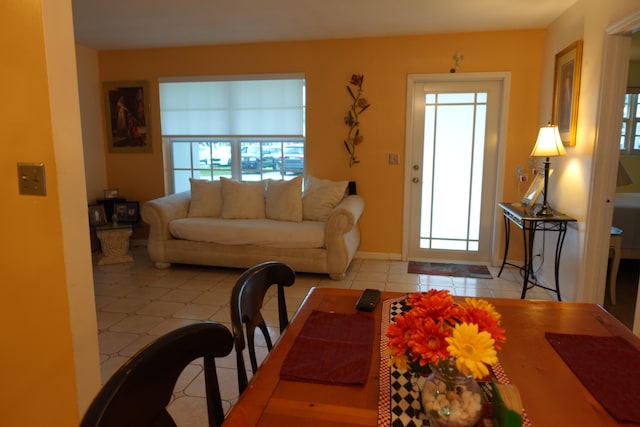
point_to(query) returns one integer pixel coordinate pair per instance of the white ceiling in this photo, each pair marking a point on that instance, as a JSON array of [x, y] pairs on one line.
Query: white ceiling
[[121, 24]]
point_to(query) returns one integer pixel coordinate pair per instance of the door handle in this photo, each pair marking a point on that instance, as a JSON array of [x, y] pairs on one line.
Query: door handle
[[416, 180]]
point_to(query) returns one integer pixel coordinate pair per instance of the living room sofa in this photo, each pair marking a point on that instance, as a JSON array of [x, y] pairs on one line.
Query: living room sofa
[[239, 224]]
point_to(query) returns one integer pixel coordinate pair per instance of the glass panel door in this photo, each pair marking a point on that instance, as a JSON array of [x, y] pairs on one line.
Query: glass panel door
[[453, 170]]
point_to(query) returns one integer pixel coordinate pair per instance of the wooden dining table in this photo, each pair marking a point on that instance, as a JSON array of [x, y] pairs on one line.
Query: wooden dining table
[[551, 394]]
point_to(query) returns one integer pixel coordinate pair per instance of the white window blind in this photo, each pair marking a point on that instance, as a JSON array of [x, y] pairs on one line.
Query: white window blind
[[251, 107]]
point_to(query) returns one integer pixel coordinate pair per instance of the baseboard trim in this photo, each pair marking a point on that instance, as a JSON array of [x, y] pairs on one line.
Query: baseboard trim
[[379, 255]]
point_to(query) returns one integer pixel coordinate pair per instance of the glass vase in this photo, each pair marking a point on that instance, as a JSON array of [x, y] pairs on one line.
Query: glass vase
[[451, 400]]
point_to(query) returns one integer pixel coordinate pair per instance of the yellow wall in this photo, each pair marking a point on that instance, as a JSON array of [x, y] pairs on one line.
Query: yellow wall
[[576, 187], [37, 359], [328, 65]]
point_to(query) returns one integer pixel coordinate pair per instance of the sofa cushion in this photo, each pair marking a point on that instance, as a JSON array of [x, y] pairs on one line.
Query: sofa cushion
[[260, 232], [284, 200], [206, 198], [320, 197], [242, 199]]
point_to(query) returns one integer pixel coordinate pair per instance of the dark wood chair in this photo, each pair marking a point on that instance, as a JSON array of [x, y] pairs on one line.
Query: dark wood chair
[[138, 393], [247, 298]]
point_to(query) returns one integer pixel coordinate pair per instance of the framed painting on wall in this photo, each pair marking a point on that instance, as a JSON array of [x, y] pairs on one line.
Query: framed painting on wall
[[127, 116], [566, 92]]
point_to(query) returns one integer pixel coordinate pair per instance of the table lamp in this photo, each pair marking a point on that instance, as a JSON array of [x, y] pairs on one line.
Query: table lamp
[[548, 145], [623, 176]]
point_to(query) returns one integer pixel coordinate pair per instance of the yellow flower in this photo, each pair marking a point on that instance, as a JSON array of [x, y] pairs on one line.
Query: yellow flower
[[399, 361], [473, 350]]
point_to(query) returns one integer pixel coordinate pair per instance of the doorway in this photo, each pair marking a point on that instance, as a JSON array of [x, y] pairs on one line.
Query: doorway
[[454, 128], [615, 61], [626, 202]]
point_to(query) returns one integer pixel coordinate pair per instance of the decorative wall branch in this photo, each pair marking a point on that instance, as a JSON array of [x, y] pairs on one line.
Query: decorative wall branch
[[358, 105]]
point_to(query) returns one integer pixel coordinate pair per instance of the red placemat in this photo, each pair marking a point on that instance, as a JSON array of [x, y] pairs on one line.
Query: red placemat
[[609, 367], [332, 348]]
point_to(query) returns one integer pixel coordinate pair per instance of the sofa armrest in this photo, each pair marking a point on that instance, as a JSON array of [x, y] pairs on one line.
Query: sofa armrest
[[344, 216], [158, 213]]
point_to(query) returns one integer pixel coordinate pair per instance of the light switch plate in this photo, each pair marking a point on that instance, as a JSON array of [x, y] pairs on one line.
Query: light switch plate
[[31, 179]]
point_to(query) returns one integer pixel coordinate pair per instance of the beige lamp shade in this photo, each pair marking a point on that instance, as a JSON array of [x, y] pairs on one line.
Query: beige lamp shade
[[548, 143], [623, 176]]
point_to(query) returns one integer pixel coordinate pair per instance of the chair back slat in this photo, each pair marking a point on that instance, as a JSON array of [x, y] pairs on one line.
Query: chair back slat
[[138, 393]]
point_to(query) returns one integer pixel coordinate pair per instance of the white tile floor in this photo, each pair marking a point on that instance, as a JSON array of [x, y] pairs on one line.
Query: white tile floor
[[136, 303]]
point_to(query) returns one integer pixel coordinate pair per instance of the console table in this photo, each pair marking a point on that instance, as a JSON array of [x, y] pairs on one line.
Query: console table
[[524, 217]]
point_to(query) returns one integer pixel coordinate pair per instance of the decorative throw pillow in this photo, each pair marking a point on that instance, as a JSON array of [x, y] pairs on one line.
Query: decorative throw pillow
[[320, 197], [284, 200], [242, 199], [206, 198]]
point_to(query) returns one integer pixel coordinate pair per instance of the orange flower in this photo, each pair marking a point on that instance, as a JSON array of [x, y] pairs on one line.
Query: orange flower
[[486, 322], [426, 333], [435, 304], [428, 342]]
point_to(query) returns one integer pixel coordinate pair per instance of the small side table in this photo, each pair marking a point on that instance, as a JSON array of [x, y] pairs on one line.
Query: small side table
[[524, 218], [114, 241], [615, 248]]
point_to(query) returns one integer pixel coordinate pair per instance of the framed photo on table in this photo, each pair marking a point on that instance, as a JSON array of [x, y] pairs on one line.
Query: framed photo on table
[[111, 193], [566, 92], [534, 190], [127, 116], [127, 211], [97, 215]]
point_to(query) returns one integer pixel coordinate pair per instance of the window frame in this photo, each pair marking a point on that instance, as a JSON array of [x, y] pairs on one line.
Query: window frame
[[276, 170], [631, 121]]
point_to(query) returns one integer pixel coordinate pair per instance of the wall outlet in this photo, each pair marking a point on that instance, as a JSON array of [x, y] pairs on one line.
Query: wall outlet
[[394, 159], [31, 179]]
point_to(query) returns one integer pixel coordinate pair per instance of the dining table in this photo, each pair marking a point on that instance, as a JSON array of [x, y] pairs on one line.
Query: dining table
[[551, 393]]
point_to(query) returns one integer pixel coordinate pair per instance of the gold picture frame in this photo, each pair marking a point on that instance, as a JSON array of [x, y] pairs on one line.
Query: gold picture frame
[[566, 92], [127, 116]]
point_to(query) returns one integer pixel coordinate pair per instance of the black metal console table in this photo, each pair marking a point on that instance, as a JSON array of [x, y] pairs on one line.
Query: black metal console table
[[525, 219]]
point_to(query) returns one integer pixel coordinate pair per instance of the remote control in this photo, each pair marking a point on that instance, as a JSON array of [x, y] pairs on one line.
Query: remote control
[[368, 300]]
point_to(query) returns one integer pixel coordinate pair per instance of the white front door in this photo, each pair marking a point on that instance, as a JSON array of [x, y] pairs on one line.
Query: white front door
[[454, 161]]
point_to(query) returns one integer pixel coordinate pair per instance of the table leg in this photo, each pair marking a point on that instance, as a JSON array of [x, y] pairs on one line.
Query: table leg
[[528, 235], [507, 233], [616, 247], [561, 233]]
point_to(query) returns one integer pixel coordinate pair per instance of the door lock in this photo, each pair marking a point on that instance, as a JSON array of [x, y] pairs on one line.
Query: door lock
[[416, 180]]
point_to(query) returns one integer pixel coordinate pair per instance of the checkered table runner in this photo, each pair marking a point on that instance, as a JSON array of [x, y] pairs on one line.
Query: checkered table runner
[[399, 400]]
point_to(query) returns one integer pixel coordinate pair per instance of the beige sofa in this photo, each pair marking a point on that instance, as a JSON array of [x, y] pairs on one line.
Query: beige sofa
[[236, 224]]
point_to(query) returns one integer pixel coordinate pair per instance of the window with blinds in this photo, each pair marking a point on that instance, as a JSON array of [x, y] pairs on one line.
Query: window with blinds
[[241, 127]]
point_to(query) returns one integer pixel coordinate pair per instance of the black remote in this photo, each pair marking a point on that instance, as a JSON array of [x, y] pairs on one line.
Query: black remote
[[368, 300]]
